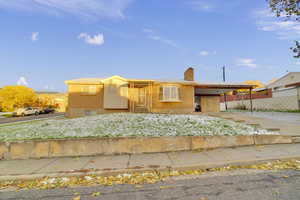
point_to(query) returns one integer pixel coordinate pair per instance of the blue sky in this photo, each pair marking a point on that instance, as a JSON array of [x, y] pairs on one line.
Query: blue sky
[[45, 42]]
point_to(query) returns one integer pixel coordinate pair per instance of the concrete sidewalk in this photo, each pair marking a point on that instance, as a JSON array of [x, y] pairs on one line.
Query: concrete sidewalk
[[30, 169]]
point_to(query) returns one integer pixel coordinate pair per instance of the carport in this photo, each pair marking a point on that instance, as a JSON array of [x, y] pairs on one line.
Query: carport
[[207, 96]]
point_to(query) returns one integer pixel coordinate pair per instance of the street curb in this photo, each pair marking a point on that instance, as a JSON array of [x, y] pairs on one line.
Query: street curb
[[141, 170], [32, 149]]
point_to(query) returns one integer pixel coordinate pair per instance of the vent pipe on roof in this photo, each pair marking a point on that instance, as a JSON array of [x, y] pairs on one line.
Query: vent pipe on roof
[[189, 74]]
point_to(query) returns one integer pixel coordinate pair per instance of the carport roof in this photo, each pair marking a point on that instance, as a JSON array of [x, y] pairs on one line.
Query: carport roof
[[223, 86], [219, 88]]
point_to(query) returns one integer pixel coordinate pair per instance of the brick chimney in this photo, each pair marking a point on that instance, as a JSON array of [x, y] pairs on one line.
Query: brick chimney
[[189, 74]]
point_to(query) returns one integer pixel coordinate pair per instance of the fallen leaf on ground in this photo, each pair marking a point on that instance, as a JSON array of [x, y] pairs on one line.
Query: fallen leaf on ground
[[166, 187], [203, 198], [137, 178], [77, 198], [95, 194]]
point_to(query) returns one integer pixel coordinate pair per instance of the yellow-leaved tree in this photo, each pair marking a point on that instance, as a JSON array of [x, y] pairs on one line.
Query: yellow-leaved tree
[[258, 84], [13, 97]]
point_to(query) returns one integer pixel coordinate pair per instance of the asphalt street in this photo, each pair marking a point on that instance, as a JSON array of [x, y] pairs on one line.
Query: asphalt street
[[284, 185], [28, 118]]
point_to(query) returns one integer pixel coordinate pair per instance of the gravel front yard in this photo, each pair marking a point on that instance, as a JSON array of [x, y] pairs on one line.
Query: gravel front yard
[[126, 125]]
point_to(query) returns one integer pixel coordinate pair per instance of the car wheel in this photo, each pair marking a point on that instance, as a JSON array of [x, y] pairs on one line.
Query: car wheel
[[23, 114], [36, 113]]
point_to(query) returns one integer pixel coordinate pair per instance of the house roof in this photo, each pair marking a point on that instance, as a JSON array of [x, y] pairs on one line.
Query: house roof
[[279, 79], [293, 85], [225, 85], [85, 81]]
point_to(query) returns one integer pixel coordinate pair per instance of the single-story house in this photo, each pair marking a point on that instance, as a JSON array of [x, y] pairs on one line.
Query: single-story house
[[88, 96]]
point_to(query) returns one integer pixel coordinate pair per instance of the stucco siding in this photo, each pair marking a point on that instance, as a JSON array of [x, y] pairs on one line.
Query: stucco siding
[[77, 99], [210, 103]]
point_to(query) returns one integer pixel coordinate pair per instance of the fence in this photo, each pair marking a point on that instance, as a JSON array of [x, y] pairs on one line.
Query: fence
[[285, 99]]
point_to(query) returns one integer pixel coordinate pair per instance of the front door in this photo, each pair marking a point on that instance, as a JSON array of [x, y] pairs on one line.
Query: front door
[[141, 101]]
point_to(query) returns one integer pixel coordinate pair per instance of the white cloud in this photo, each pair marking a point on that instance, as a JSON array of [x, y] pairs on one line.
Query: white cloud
[[153, 35], [246, 62], [93, 40], [298, 63], [204, 53], [213, 5], [148, 30], [284, 29], [22, 81], [84, 8], [202, 5], [163, 40], [35, 36]]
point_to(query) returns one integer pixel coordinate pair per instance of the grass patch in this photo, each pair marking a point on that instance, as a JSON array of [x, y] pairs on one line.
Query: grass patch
[[126, 125]]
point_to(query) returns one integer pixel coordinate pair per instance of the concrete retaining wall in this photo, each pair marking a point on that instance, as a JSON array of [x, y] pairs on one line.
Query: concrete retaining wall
[[133, 145]]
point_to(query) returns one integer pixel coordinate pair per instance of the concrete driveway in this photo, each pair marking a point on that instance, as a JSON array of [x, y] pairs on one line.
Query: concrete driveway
[[280, 116], [284, 123]]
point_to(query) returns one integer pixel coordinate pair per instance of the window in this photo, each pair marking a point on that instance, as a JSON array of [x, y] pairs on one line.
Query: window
[[170, 93], [88, 89]]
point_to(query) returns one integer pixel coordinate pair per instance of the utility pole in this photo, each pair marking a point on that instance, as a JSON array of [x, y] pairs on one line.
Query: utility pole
[[224, 80], [224, 75]]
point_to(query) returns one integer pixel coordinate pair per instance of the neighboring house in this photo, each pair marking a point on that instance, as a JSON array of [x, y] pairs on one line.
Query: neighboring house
[[280, 94], [281, 83], [57, 99], [90, 96], [286, 90]]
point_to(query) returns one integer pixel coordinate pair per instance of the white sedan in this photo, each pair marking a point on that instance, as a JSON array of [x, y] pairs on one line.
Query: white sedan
[[27, 111]]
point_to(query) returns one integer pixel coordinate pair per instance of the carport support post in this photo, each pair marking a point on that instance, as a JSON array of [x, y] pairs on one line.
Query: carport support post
[[251, 103], [225, 100]]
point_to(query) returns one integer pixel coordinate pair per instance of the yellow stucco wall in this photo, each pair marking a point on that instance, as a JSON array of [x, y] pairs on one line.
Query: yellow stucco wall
[[80, 104], [77, 99], [210, 104]]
